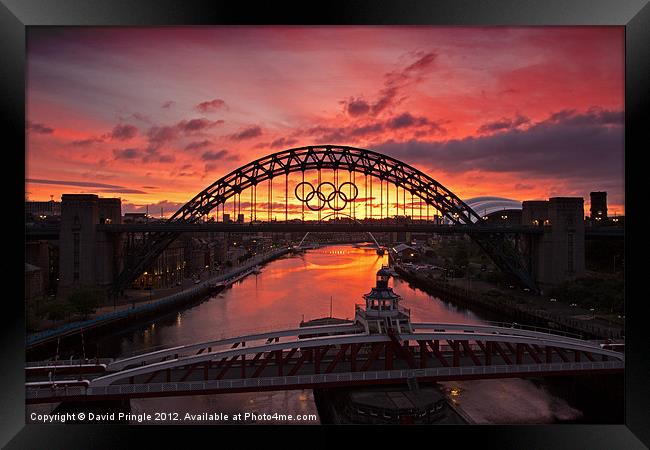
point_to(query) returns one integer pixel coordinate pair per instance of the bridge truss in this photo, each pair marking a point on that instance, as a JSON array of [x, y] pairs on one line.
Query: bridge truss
[[370, 164], [329, 355]]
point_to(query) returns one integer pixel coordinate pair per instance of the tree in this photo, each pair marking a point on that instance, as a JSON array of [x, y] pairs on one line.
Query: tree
[[461, 257], [57, 310], [84, 301]]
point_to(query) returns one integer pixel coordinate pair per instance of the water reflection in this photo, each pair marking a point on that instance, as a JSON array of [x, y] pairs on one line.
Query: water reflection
[[279, 297]]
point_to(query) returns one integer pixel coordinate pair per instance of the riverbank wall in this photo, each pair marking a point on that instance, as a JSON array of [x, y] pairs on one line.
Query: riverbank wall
[[50, 338], [517, 311]]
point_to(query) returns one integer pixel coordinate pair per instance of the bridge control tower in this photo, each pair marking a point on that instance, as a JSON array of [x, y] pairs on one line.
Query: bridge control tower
[[381, 311]]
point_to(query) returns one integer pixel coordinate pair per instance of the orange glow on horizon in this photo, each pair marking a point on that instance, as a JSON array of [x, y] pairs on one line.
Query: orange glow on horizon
[[154, 116]]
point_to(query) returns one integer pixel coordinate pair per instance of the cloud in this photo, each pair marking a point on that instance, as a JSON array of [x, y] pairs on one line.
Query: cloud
[[161, 135], [247, 133], [221, 154], [503, 124], [357, 107], [153, 155], [404, 121], [198, 145], [593, 116], [168, 104], [585, 145], [394, 82], [407, 120], [189, 126], [280, 143], [124, 132], [102, 186], [127, 153], [87, 142], [283, 142], [210, 105], [39, 128]]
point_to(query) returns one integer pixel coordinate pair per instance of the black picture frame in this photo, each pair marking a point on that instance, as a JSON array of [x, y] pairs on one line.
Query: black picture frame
[[634, 15]]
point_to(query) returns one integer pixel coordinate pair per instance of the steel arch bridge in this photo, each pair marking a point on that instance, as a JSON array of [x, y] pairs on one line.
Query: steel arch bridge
[[355, 160], [321, 356]]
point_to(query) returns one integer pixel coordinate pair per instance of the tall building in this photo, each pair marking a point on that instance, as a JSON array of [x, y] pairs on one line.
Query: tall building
[[598, 207]]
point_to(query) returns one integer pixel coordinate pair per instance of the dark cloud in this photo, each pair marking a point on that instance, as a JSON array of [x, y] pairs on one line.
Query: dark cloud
[[124, 132], [168, 104], [387, 98], [247, 133], [198, 145], [153, 154], [280, 143], [356, 131], [586, 145], [87, 142], [593, 116], [39, 128], [212, 155], [407, 120], [127, 153], [161, 135], [424, 61], [86, 184], [394, 82], [210, 105], [357, 107], [189, 126], [283, 142], [503, 124], [165, 158]]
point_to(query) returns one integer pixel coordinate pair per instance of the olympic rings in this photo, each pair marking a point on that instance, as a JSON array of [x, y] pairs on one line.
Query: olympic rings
[[326, 194]]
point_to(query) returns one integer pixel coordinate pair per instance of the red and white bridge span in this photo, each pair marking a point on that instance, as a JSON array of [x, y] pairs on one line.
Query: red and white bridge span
[[324, 356]]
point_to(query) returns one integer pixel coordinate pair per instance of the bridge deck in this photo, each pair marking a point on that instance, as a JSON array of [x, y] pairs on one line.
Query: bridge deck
[[438, 352]]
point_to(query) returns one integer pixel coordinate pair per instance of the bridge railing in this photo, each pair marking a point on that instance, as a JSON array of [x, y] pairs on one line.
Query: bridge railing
[[222, 336], [49, 392], [519, 326]]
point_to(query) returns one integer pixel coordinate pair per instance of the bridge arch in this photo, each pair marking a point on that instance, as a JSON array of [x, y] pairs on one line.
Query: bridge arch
[[363, 161]]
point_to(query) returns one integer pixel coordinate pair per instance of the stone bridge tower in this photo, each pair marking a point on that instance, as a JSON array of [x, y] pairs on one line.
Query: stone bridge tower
[[88, 257], [558, 254]]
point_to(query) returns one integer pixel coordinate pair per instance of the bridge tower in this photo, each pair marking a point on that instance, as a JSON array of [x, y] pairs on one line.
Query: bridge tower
[[88, 257], [382, 311], [558, 254]]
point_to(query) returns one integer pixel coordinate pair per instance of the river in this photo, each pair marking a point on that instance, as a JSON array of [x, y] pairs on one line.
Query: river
[[297, 287]]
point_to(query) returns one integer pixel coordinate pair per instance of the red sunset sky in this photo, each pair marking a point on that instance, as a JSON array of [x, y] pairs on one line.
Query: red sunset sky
[[154, 115]]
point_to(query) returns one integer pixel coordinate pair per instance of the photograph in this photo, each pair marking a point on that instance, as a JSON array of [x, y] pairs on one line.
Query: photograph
[[325, 224]]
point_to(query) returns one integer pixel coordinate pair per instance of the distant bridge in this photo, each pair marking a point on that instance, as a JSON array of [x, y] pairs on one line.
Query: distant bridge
[[52, 232], [331, 226], [324, 356]]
